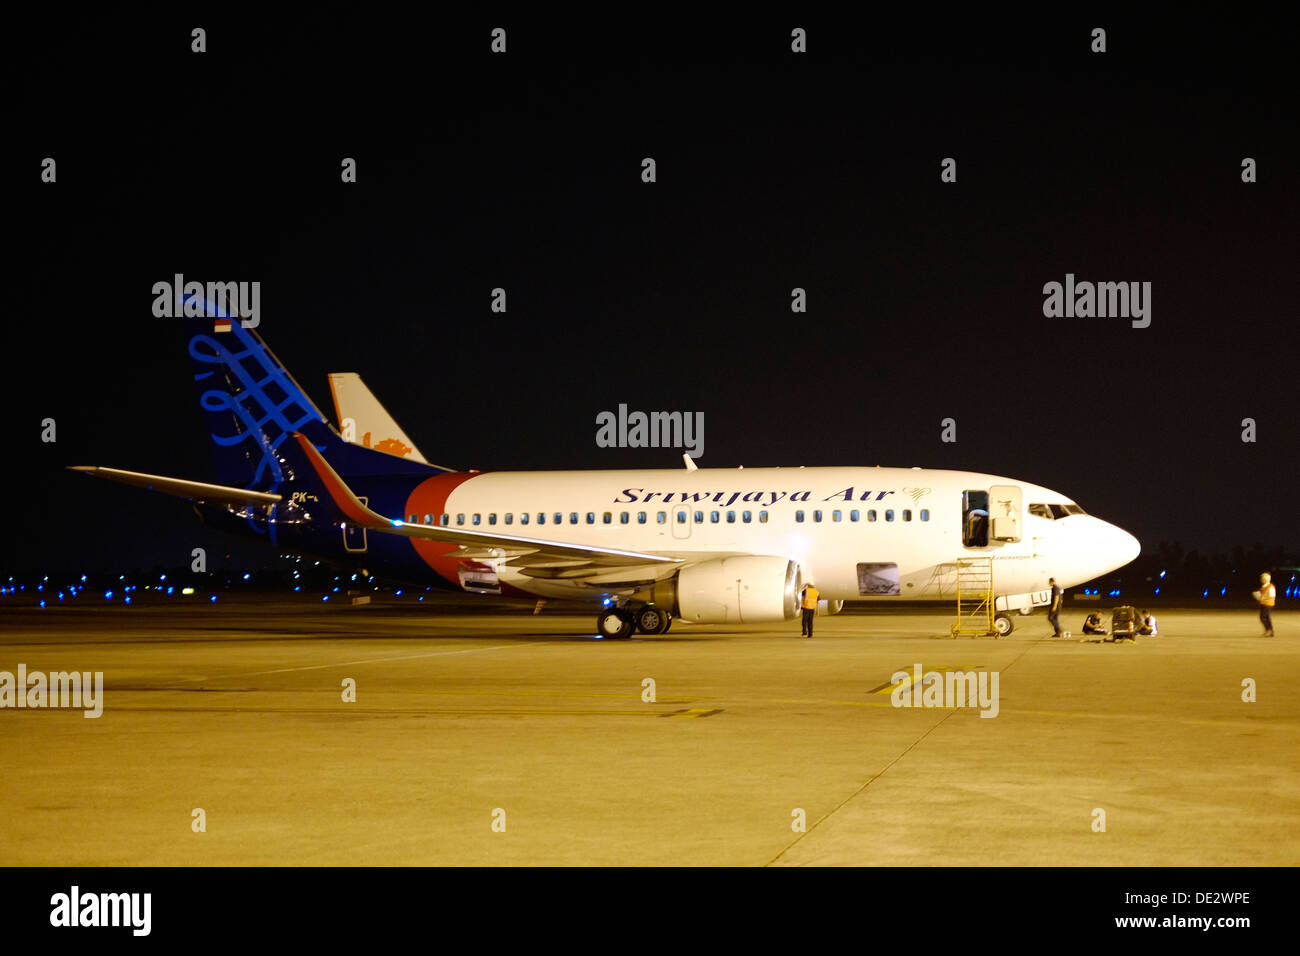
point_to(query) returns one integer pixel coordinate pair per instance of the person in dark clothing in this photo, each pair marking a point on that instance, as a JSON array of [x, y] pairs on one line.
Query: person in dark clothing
[[1093, 624], [1054, 609]]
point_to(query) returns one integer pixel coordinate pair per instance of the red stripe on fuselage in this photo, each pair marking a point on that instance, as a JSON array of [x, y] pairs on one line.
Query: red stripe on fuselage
[[429, 497]]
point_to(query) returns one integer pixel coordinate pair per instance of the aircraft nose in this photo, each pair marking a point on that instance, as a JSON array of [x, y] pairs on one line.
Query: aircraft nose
[[1122, 545]]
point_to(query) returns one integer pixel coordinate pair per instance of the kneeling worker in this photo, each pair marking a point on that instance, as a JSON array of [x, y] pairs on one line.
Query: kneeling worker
[[1148, 623], [809, 607], [1093, 625]]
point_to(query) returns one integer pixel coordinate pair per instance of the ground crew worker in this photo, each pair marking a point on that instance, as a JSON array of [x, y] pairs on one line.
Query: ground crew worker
[[1148, 623], [1267, 597], [1093, 624], [1054, 609], [809, 606]]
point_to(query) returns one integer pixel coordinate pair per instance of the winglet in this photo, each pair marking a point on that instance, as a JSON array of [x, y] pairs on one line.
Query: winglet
[[347, 503]]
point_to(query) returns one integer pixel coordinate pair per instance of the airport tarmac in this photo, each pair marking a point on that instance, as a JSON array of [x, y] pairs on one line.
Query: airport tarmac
[[238, 710]]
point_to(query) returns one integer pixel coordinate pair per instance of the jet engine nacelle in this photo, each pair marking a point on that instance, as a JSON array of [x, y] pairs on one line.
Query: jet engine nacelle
[[742, 590], [829, 607]]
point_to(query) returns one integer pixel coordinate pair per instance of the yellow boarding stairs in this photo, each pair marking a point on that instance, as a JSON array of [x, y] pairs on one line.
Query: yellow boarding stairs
[[974, 598]]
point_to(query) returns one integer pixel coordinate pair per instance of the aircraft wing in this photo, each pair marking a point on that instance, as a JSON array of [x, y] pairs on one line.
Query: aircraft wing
[[181, 488], [541, 557]]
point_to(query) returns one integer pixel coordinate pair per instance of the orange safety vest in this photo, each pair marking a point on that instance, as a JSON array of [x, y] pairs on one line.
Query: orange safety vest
[[810, 599]]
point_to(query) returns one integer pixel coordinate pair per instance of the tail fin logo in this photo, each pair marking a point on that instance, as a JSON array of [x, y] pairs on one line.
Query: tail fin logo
[[263, 403]]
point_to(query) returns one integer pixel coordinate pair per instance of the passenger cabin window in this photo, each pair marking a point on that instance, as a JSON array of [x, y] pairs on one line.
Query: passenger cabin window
[[640, 517], [699, 517], [975, 519], [889, 514], [871, 514], [591, 517], [492, 518], [835, 516], [460, 519], [731, 517], [413, 519], [559, 517], [798, 516], [925, 514], [853, 515], [607, 517], [661, 517], [817, 516], [681, 517], [523, 518], [541, 517], [510, 517], [715, 516], [573, 517], [745, 516], [478, 519], [907, 514], [762, 517], [622, 517], [444, 519]]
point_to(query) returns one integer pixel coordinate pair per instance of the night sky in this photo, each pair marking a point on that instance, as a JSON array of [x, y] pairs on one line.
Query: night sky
[[775, 170]]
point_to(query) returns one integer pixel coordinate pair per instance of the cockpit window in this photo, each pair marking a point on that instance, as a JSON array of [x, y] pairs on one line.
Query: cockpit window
[[1054, 511]]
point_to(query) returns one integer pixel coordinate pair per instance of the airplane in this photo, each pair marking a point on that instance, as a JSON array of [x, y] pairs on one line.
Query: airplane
[[642, 547]]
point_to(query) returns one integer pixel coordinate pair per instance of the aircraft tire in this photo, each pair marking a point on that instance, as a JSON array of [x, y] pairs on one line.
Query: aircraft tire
[[614, 624], [652, 619]]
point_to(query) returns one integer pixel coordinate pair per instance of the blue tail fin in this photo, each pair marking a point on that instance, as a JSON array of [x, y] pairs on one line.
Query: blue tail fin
[[251, 405]]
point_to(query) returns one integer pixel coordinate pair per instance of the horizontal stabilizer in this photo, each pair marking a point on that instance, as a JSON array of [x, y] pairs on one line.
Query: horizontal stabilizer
[[182, 488]]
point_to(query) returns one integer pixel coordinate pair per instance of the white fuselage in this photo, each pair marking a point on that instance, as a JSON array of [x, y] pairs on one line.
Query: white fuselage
[[832, 521]]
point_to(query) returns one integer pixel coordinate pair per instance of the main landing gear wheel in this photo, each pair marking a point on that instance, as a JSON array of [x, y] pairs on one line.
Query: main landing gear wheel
[[652, 619], [614, 624], [1003, 625]]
